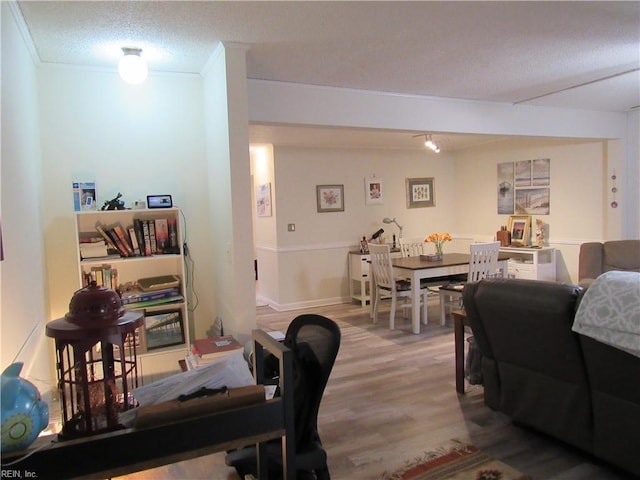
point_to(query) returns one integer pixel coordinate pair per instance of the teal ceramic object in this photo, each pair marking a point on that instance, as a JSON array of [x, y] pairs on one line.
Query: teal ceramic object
[[24, 414]]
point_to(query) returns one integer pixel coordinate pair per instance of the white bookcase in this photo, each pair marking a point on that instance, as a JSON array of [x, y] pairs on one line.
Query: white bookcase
[[155, 358], [531, 263]]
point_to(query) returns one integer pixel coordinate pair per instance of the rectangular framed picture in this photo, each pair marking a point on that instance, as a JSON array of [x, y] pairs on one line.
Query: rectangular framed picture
[[330, 198], [533, 201], [373, 191], [520, 229], [163, 328], [263, 200], [420, 192]]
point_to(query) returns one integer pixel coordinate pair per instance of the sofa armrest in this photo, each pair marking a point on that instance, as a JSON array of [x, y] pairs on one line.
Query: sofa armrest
[[590, 261]]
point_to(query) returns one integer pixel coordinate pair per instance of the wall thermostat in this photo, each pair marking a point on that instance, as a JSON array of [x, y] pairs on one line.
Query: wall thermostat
[[159, 201]]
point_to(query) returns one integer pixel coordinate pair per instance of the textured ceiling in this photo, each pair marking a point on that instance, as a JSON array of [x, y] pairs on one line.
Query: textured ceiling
[[515, 52]]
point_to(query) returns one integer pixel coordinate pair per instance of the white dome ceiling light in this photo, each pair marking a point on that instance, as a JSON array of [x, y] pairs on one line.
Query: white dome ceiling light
[[132, 67]]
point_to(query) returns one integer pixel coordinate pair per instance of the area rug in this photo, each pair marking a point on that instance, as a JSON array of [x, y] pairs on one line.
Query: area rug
[[454, 461]]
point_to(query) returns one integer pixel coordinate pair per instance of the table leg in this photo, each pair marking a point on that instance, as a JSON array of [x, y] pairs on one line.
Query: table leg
[[415, 302], [458, 332]]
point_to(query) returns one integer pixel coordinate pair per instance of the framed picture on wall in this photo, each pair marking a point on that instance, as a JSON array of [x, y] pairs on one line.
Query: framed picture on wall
[[163, 328], [263, 200], [330, 198], [373, 191], [520, 229], [420, 192]]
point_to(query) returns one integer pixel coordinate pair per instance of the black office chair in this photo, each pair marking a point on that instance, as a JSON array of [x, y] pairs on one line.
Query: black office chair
[[314, 341]]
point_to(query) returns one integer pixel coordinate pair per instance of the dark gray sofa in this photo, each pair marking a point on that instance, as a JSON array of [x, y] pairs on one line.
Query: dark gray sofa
[[545, 376]]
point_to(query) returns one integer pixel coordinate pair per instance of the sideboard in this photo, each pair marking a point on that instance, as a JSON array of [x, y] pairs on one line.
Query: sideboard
[[531, 263]]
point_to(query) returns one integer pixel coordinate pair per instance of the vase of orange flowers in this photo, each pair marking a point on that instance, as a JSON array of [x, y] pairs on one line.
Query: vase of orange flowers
[[438, 239]]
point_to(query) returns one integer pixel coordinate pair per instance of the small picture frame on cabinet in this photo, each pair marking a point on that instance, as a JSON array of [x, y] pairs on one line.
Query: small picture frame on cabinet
[[520, 229]]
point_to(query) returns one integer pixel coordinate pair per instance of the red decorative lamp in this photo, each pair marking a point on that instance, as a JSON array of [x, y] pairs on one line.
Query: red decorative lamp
[[96, 361]]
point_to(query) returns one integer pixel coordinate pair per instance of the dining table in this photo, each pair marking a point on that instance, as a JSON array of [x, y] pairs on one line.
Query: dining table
[[417, 268]]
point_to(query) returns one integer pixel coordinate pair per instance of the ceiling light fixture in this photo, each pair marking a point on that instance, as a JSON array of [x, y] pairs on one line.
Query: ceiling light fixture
[[429, 143], [132, 67]]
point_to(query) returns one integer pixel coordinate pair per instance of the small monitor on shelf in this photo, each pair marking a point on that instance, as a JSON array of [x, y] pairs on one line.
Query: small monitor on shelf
[[159, 201]]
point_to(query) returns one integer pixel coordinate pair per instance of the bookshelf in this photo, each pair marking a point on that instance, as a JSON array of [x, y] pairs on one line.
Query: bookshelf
[[165, 337]]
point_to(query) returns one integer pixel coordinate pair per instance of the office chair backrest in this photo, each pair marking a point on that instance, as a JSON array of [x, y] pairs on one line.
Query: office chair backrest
[[411, 247], [315, 341], [484, 261]]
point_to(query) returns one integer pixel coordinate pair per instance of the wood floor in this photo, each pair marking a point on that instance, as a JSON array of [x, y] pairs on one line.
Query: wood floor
[[391, 396]]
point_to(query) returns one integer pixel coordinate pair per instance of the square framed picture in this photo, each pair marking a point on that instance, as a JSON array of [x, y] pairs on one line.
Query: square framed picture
[[520, 229], [373, 191], [420, 192], [330, 198], [163, 328]]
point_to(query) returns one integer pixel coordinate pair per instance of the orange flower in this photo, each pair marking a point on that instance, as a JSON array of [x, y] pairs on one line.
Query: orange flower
[[438, 240]]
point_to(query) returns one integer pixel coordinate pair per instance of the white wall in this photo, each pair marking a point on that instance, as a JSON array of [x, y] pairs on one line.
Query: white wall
[[229, 182], [22, 272], [308, 267], [578, 199], [136, 140]]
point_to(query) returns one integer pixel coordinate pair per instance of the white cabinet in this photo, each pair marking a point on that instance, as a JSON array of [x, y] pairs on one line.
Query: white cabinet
[[165, 337], [531, 263], [359, 286]]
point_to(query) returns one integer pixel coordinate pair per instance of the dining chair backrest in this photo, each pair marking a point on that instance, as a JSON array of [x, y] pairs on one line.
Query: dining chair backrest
[[484, 260], [381, 264], [411, 247]]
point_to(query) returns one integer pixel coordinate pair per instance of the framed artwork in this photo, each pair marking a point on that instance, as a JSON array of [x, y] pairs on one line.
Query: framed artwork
[[520, 229], [420, 192], [330, 198], [373, 191], [505, 188], [163, 328], [523, 173], [263, 200], [533, 201], [541, 172]]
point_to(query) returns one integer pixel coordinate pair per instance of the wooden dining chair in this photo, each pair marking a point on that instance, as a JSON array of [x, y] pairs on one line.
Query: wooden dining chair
[[482, 264], [412, 247], [386, 284]]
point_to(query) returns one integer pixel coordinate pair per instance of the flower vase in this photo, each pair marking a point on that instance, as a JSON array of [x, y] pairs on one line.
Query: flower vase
[[438, 256]]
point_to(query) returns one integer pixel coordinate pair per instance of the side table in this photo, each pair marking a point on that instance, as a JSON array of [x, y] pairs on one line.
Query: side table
[[459, 322]]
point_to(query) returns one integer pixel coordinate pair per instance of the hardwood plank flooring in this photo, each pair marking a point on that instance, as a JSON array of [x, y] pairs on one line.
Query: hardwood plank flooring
[[391, 396]]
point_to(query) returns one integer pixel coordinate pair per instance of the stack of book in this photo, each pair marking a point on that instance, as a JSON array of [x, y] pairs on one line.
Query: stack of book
[[94, 246], [140, 298], [207, 350], [144, 238]]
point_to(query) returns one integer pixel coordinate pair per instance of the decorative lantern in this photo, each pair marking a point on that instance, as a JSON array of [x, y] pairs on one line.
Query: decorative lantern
[[96, 361]]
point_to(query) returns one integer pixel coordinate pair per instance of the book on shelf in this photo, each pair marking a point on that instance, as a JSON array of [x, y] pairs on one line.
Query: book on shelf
[[90, 238], [88, 250], [152, 236], [158, 283], [123, 237], [137, 296], [147, 237], [210, 348], [133, 239], [162, 235], [102, 230], [104, 276], [174, 247], [139, 233], [154, 303]]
